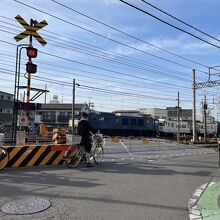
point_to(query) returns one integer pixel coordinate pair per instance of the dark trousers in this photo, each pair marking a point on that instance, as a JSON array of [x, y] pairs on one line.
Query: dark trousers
[[87, 143]]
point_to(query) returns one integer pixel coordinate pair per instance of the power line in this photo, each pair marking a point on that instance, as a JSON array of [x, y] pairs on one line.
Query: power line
[[97, 89], [90, 53], [181, 21], [112, 71], [102, 36], [113, 60], [112, 81], [101, 68], [121, 84], [171, 25], [136, 38]]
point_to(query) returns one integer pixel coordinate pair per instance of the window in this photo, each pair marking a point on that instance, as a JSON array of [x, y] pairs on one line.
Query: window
[[62, 113], [125, 121], [183, 126], [169, 124], [172, 124], [2, 96], [133, 121], [140, 122], [9, 97], [1, 110], [8, 111]]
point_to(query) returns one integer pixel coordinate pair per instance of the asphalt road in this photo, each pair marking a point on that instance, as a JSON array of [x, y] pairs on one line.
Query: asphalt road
[[135, 181]]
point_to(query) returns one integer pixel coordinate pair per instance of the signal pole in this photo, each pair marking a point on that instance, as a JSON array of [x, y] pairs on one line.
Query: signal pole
[[73, 108], [205, 119], [178, 117], [194, 105]]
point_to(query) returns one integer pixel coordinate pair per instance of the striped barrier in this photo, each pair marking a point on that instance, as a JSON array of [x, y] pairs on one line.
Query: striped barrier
[[145, 141], [115, 140], [36, 155]]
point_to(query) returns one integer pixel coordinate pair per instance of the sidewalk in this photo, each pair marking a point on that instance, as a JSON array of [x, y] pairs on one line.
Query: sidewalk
[[209, 202]]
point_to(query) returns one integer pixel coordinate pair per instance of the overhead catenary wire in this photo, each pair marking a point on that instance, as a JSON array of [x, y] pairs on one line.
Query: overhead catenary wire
[[96, 47], [169, 24], [122, 85], [97, 89], [127, 34], [101, 56], [102, 36], [181, 21], [104, 69], [92, 88], [93, 54]]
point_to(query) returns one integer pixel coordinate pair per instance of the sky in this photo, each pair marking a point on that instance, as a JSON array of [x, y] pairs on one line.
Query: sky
[[121, 58]]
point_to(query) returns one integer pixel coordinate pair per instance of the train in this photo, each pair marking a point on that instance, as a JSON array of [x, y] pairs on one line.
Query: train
[[168, 127], [120, 125], [113, 124]]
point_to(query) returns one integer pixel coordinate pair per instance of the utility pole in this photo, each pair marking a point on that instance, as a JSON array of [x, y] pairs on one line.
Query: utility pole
[[205, 118], [178, 117], [73, 108], [194, 104], [45, 95]]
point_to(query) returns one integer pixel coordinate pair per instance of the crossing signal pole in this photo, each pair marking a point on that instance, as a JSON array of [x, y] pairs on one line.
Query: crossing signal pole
[[205, 118], [178, 117], [31, 68]]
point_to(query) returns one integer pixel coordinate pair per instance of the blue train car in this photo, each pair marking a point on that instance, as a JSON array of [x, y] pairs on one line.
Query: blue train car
[[116, 125]]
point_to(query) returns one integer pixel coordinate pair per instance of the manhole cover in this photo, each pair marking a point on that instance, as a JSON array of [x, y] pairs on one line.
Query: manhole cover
[[26, 206]]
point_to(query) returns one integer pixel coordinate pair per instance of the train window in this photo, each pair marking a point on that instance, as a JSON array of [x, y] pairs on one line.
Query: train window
[[133, 121], [172, 124], [140, 122], [169, 124], [125, 121]]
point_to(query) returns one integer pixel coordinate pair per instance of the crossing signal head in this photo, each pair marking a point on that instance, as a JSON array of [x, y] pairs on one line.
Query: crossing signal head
[[31, 68], [31, 52]]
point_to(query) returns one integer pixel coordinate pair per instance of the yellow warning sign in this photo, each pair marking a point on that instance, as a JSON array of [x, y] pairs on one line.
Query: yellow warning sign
[[30, 30]]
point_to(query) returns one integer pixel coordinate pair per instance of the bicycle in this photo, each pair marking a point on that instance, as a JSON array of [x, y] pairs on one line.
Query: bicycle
[[76, 154], [4, 158]]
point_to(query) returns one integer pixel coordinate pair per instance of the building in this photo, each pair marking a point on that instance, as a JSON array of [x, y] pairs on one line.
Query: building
[[168, 113], [155, 113], [6, 108], [184, 114], [58, 114]]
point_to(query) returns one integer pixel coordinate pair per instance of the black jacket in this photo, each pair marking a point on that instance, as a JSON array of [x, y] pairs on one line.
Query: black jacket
[[84, 128]]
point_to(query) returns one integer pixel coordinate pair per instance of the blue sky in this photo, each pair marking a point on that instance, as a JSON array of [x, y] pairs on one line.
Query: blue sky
[[129, 70]]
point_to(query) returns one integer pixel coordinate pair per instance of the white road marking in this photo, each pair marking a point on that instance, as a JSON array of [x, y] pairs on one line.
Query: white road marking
[[126, 149]]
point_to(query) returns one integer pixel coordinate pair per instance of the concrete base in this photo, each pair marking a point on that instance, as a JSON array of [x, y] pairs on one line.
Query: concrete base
[[20, 138]]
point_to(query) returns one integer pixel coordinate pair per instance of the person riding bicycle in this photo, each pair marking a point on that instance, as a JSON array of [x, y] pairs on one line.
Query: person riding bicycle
[[85, 130]]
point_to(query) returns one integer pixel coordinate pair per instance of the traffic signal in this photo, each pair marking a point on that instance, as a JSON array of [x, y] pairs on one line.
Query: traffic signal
[[31, 68], [31, 52]]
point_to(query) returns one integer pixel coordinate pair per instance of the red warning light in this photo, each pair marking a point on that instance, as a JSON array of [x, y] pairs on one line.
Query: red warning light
[[31, 52]]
